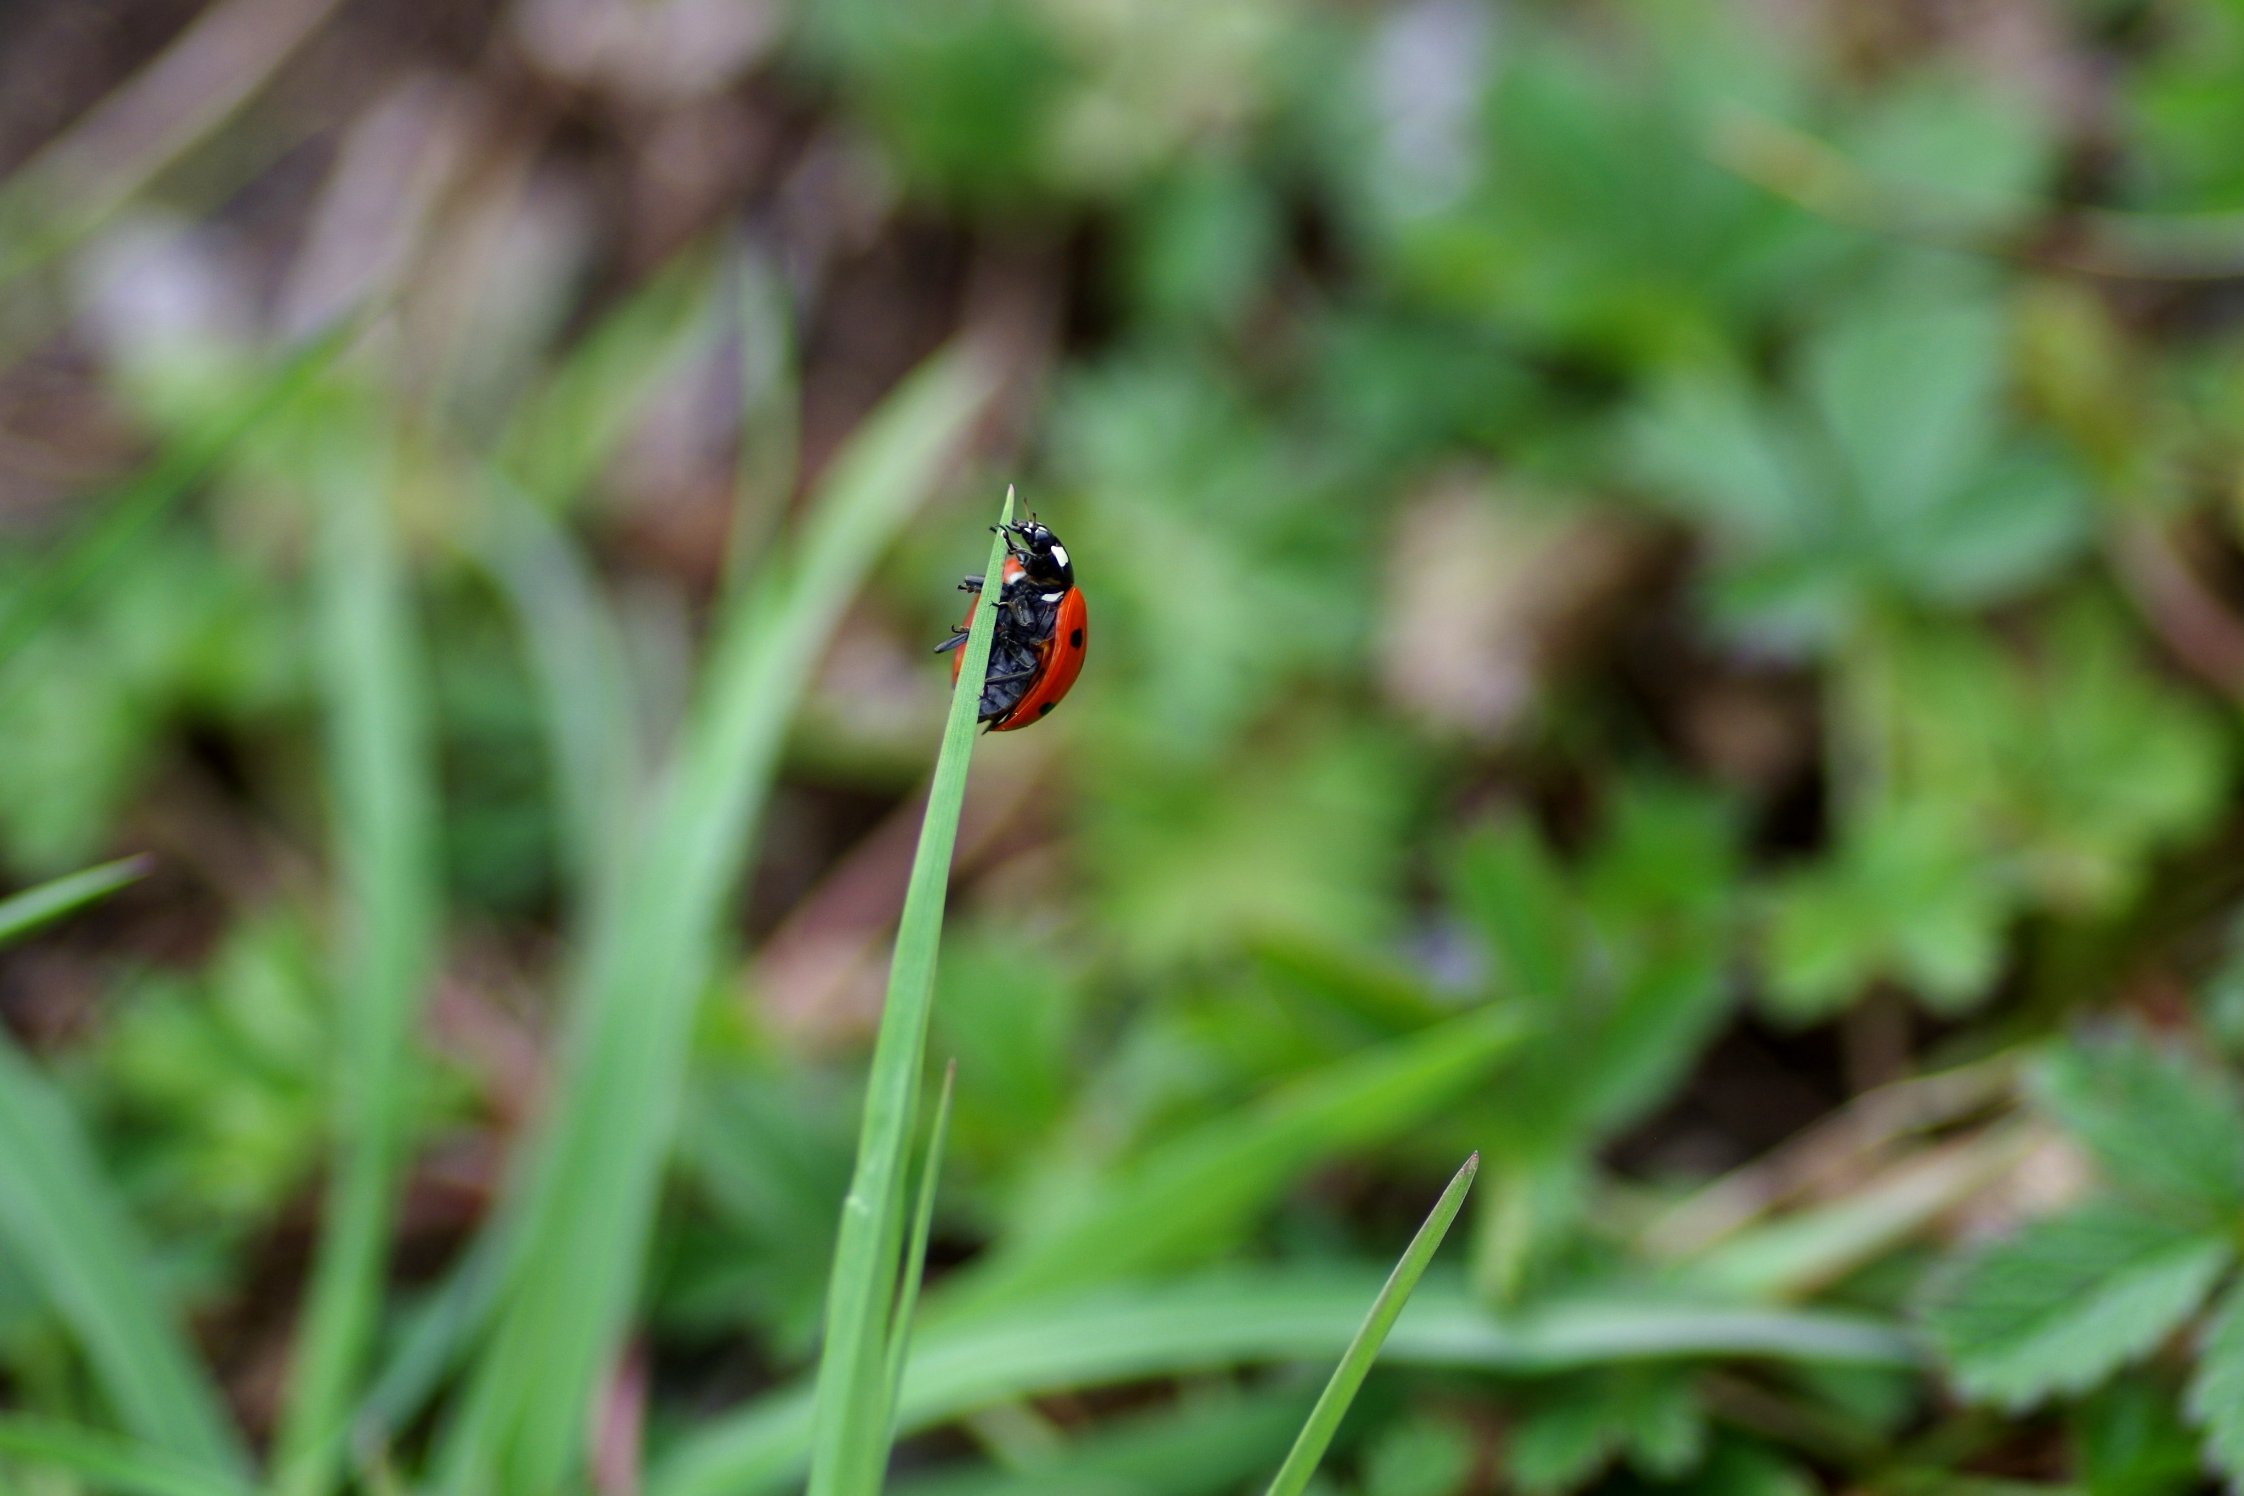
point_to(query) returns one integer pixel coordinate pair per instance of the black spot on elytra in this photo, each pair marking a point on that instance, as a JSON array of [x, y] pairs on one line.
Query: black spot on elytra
[[1047, 706], [1075, 640]]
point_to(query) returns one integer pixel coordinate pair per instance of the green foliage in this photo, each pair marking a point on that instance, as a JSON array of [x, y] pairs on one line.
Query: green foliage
[[2062, 1305], [21, 913], [2216, 1394], [75, 1246], [1664, 592], [1670, 250], [1884, 475], [257, 1013], [1355, 1362], [2001, 783], [2131, 1442], [2070, 1299], [581, 1224], [2163, 1129], [1645, 1416], [1618, 965]]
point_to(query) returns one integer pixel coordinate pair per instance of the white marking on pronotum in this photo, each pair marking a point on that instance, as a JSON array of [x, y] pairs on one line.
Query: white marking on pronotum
[[1053, 597], [1059, 553]]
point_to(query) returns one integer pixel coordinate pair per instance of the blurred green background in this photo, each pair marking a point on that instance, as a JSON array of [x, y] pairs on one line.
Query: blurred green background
[[1667, 605]]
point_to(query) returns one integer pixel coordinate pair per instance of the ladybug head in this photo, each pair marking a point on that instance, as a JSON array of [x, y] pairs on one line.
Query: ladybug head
[[1043, 558]]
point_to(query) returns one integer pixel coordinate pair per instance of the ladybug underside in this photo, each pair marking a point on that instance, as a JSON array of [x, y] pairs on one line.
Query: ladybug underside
[[1031, 666], [1024, 633]]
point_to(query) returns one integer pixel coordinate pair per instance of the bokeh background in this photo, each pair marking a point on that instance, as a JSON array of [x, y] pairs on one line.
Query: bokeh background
[[1666, 605]]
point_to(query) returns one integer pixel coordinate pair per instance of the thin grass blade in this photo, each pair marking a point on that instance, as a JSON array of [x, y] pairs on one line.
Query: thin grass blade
[[52, 1197], [69, 1236], [1355, 1362], [915, 1251], [770, 410], [850, 1448], [384, 802], [105, 1462], [581, 1213], [576, 653], [21, 913]]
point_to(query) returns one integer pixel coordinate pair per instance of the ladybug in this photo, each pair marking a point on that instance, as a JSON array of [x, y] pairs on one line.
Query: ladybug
[[1038, 648]]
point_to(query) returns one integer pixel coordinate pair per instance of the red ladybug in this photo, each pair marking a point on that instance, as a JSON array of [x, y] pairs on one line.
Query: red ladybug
[[1041, 622]]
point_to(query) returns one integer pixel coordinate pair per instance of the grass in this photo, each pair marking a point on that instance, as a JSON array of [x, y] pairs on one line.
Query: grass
[[915, 1250], [22, 913], [384, 804], [855, 1381], [576, 1223], [1401, 830], [107, 1462], [1355, 1362], [1191, 1325], [70, 1237]]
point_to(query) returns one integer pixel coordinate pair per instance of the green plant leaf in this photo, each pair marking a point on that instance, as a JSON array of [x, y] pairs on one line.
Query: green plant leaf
[[577, 1217], [70, 1238], [2069, 1300], [1363, 1349], [923, 1223], [21, 913], [1905, 384], [1906, 897], [107, 1462], [381, 787], [2129, 1440], [1647, 1414], [2216, 1392], [2161, 1127], [1037, 1346], [857, 1370]]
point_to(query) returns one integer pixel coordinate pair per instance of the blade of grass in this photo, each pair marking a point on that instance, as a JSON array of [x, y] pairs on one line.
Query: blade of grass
[[106, 1462], [585, 1201], [52, 1196], [1039, 1347], [770, 409], [915, 1251], [1355, 1362], [428, 1344], [850, 1447], [384, 805], [127, 515], [21, 913], [71, 1239], [576, 653]]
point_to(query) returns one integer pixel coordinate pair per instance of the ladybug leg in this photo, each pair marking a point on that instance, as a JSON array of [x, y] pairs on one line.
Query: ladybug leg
[[970, 584]]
